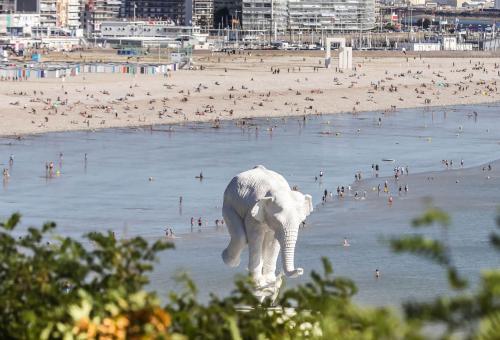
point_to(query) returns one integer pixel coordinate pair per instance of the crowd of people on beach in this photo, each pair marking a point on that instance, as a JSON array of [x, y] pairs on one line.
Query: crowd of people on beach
[[88, 105]]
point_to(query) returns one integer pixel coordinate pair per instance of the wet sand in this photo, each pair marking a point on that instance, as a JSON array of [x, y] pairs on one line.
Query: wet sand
[[238, 86]]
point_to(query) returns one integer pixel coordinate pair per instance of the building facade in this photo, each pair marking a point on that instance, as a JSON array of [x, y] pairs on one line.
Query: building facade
[[331, 15], [48, 13], [203, 14], [265, 15], [97, 11], [18, 24], [177, 11]]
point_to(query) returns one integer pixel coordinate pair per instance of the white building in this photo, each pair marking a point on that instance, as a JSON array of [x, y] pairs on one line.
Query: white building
[[331, 15], [48, 13], [73, 14], [203, 13], [266, 15], [19, 25]]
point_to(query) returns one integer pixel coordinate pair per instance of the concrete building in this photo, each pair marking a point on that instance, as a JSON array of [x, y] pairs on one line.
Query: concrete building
[[18, 24], [73, 11], [203, 13], [48, 13], [331, 15], [98, 11], [497, 4], [178, 11], [265, 15]]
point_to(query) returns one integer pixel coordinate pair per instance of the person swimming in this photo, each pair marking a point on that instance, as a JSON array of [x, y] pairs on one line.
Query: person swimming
[[346, 243]]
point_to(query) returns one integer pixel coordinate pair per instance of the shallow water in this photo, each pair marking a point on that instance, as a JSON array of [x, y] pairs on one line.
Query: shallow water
[[112, 191]]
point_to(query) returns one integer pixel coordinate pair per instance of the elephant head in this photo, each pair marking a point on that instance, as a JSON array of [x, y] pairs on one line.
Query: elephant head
[[283, 214]]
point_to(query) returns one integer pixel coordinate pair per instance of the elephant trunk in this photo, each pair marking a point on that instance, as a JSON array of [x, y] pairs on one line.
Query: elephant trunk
[[287, 239]]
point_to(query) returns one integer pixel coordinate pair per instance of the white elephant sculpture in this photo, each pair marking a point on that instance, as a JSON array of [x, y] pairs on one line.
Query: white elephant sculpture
[[262, 210]]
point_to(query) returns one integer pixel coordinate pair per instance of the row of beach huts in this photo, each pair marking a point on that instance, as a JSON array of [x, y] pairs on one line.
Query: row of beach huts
[[26, 71]]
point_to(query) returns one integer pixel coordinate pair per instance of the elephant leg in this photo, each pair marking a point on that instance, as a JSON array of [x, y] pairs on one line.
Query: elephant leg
[[270, 256], [255, 233], [231, 255]]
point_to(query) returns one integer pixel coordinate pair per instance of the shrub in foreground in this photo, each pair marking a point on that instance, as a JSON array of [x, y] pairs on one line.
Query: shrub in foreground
[[56, 287]]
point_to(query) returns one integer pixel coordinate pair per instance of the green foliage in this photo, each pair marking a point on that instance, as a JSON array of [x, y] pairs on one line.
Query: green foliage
[[321, 308], [53, 287], [432, 216], [42, 276]]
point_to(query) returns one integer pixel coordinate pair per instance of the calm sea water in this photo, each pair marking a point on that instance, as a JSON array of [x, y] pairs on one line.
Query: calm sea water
[[112, 189]]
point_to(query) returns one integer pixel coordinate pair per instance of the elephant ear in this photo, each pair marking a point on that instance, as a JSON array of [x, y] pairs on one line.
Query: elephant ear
[[258, 210], [308, 204]]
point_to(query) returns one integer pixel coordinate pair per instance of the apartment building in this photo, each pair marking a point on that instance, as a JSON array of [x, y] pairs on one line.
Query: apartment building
[[203, 13], [331, 15], [97, 11], [265, 15], [179, 11]]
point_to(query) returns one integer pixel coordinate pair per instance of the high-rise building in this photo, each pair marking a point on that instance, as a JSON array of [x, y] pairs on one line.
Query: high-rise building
[[266, 15], [74, 10], [98, 11], [48, 13], [331, 15], [176, 10], [203, 13], [497, 4]]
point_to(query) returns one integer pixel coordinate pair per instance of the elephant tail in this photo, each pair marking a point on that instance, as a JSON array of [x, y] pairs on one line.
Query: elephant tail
[[236, 228]]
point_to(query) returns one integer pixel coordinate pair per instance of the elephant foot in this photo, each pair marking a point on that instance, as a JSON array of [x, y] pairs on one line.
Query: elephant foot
[[268, 290], [269, 278], [295, 273], [230, 261]]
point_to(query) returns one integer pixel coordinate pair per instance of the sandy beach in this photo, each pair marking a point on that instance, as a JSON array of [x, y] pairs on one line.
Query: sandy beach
[[239, 86]]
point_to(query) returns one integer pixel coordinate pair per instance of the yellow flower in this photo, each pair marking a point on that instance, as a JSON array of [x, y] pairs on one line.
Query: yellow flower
[[122, 322]]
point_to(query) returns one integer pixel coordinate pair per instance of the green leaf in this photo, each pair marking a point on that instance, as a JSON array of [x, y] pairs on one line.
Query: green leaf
[[428, 248], [12, 222], [431, 216]]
